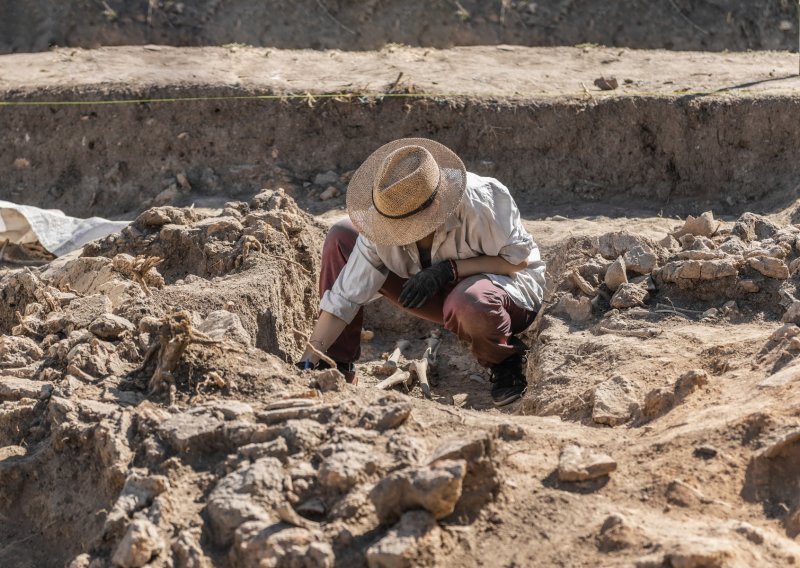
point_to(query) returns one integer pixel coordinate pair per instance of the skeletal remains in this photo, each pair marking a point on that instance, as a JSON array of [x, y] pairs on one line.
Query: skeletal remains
[[415, 367]]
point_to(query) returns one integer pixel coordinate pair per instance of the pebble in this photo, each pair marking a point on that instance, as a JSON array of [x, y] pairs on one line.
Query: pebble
[[580, 464]]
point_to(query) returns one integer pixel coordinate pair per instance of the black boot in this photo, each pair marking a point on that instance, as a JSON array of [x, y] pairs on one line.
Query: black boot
[[508, 378]]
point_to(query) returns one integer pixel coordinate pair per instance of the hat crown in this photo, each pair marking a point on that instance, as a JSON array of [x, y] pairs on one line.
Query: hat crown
[[407, 182]]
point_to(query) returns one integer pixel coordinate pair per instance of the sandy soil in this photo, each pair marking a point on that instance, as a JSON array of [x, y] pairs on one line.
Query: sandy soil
[[482, 71]]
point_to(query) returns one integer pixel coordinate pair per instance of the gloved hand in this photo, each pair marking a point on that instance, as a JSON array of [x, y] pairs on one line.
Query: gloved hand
[[424, 285]]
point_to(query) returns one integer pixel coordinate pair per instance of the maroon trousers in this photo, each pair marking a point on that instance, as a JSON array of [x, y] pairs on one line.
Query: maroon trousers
[[479, 312]]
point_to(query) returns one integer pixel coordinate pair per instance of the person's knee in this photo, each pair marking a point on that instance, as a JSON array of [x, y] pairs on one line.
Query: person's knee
[[471, 308], [341, 236]]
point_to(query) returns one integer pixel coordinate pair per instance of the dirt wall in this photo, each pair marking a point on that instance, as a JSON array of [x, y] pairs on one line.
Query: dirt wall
[[676, 154], [346, 24]]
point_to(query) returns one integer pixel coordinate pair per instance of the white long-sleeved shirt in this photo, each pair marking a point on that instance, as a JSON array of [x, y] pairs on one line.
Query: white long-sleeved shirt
[[486, 223]]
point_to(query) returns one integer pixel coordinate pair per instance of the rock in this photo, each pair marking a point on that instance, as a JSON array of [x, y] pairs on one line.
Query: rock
[[689, 381], [705, 452], [577, 309], [629, 295], [325, 179], [482, 481], [614, 401], [329, 380], [769, 266], [386, 413], [669, 242], [749, 286], [658, 402], [351, 463], [81, 312], [405, 543], [734, 246], [12, 388], [221, 324], [141, 543], [617, 533], [606, 83], [614, 245], [752, 227], [260, 545], [788, 374], [276, 448], [436, 488], [247, 494], [187, 552], [683, 495], [330, 193], [580, 464], [681, 271], [703, 226], [615, 275], [109, 326], [138, 492], [640, 259], [191, 433], [18, 351]]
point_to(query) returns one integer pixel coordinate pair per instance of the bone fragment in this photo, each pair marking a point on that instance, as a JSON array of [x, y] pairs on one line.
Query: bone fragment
[[398, 377], [420, 366], [390, 365]]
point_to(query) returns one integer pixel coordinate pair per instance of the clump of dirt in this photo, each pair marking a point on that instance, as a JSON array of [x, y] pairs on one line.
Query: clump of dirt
[[142, 425]]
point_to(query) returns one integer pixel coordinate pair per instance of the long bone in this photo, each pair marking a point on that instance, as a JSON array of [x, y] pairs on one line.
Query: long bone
[[420, 366], [391, 364]]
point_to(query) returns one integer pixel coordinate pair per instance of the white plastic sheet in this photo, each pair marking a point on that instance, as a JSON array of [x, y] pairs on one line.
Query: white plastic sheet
[[57, 232]]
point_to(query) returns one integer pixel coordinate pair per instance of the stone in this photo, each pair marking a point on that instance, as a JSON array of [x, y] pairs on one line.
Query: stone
[[792, 314], [616, 533], [406, 542], [329, 380], [769, 266], [12, 388], [109, 326], [628, 296], [222, 324], [435, 488], [276, 448], [352, 463], [327, 178], [577, 309], [187, 552], [606, 83], [684, 495], [752, 227], [703, 226], [80, 313], [670, 243], [331, 192], [261, 544], [191, 432], [749, 286], [615, 401], [787, 375], [247, 494], [616, 275], [688, 270], [138, 492], [472, 448], [658, 402], [614, 245], [386, 413], [690, 381], [141, 543], [18, 351], [581, 464], [640, 259]]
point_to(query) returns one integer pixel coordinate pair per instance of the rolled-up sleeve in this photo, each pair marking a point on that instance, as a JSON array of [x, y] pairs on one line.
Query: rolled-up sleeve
[[358, 282]]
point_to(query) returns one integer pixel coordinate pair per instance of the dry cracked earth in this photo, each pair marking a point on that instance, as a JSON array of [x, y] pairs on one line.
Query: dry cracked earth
[[150, 416]]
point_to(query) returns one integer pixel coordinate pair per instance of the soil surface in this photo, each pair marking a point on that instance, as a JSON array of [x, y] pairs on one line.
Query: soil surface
[[690, 131], [735, 25]]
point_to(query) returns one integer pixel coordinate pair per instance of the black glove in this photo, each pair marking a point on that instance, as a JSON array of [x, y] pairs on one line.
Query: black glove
[[426, 283]]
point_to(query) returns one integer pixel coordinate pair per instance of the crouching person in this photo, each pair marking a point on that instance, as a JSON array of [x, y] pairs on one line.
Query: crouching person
[[443, 244]]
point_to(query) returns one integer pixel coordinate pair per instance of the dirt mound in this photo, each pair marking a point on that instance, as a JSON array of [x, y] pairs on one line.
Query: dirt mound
[[141, 424], [725, 25]]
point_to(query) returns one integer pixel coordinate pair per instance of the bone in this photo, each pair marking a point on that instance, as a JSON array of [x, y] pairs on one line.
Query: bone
[[398, 377], [390, 365], [420, 366]]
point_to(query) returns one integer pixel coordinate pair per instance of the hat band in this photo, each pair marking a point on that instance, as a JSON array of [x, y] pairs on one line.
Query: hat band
[[425, 204]]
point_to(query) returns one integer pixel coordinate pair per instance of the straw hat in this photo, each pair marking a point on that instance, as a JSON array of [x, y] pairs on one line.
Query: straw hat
[[405, 190]]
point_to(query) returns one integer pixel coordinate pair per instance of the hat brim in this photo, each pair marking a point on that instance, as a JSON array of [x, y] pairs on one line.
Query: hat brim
[[398, 232]]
